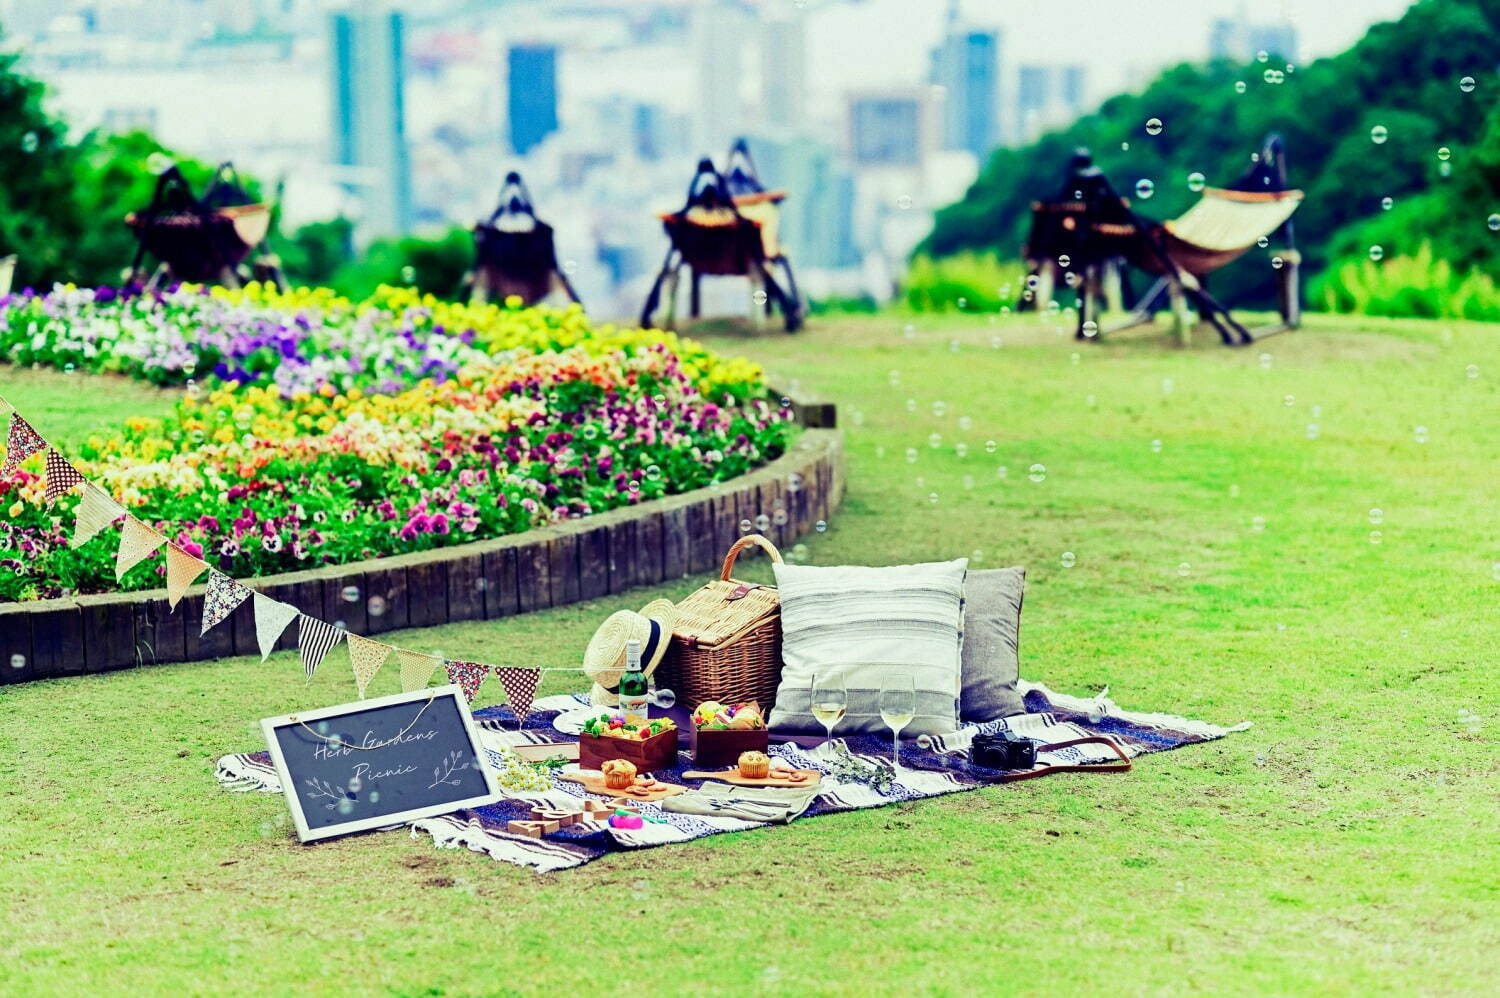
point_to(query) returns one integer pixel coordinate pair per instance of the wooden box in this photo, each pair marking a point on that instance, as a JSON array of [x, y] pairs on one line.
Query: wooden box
[[655, 753], [722, 747]]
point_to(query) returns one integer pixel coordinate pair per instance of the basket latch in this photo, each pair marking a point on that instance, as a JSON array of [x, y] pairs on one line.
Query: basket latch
[[740, 592]]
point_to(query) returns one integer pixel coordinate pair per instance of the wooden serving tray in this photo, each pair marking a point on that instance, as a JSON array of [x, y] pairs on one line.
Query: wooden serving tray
[[595, 785], [733, 776]]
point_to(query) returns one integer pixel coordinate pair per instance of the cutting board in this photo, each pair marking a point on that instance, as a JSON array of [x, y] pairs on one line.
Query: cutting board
[[595, 785], [733, 776]]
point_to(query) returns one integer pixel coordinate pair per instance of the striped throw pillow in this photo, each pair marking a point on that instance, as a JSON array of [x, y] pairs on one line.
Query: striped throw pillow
[[863, 624]]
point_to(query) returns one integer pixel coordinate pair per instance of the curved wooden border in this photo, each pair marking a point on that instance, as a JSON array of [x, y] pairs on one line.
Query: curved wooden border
[[548, 566]]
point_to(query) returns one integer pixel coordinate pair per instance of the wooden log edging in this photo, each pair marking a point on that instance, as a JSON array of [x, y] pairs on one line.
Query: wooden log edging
[[594, 556]]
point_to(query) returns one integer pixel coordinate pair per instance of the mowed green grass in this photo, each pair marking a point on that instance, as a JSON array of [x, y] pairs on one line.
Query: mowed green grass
[[1349, 841]]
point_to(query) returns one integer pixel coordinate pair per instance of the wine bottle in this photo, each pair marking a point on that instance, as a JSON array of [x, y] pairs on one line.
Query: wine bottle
[[633, 685]]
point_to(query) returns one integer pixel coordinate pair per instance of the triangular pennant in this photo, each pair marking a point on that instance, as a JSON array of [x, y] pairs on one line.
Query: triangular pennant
[[271, 618], [62, 477], [416, 669], [96, 510], [365, 658], [520, 687], [316, 638], [468, 675], [182, 569], [137, 541], [21, 443], [223, 597]]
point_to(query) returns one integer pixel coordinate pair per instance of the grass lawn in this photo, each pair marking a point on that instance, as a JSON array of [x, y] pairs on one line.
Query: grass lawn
[[1235, 571]]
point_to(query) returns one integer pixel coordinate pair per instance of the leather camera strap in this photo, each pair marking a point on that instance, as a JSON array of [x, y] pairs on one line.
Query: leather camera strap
[[1124, 765]]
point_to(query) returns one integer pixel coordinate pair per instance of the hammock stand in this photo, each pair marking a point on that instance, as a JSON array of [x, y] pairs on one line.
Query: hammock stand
[[203, 240], [514, 253], [728, 227], [1096, 230]]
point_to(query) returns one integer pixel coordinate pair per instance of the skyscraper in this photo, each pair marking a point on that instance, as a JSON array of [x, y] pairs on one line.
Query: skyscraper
[[966, 64], [1240, 39], [532, 90], [1046, 97], [889, 128], [368, 67], [783, 70], [817, 218], [719, 36]]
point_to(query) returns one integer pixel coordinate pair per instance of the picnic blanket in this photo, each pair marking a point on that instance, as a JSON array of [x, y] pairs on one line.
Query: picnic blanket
[[938, 767]]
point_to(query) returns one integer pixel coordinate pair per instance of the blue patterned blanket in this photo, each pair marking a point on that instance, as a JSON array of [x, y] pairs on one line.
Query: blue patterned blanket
[[939, 767]]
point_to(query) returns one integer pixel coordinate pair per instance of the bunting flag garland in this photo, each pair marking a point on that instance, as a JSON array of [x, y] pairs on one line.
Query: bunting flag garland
[[416, 669], [520, 687], [137, 542], [62, 477], [223, 597], [96, 510], [182, 569], [22, 442], [316, 638], [468, 675], [366, 657], [271, 618]]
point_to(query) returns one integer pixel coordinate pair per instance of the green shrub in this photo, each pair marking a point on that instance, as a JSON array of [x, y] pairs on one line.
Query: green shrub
[[1418, 286], [970, 282]]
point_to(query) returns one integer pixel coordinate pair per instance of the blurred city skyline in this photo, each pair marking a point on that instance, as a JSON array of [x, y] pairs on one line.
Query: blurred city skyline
[[405, 116]]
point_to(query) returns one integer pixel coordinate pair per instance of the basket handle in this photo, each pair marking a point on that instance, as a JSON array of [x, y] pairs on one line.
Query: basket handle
[[742, 544]]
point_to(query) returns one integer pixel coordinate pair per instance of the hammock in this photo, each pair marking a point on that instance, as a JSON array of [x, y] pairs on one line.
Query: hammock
[[514, 253], [199, 239], [1225, 224]]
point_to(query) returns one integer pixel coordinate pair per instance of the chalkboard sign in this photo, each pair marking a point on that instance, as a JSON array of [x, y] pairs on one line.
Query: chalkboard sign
[[379, 762]]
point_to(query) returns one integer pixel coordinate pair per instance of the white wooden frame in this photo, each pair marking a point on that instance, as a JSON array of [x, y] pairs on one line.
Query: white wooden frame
[[269, 726]]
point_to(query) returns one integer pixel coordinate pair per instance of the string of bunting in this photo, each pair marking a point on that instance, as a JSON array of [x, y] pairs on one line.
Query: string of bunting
[[97, 510]]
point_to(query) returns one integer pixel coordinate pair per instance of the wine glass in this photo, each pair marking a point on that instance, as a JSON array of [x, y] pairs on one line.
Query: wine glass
[[829, 700], [898, 704]]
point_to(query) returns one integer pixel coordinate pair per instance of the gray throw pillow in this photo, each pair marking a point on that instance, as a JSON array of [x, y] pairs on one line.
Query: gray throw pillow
[[991, 650]]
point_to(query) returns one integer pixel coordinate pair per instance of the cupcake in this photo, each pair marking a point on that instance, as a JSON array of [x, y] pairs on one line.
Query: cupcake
[[618, 773], [754, 765]]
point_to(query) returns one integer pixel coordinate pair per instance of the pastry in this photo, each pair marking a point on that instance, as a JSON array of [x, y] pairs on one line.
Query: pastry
[[754, 765], [618, 773]]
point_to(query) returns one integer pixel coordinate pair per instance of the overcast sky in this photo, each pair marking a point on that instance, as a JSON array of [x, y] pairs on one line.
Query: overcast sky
[[1123, 41]]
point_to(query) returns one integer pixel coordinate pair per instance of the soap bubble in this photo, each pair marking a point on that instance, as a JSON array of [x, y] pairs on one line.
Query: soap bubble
[[1156, 446], [966, 423], [1312, 431], [1472, 371], [346, 807], [961, 450], [1153, 126], [779, 518], [1289, 400], [1262, 56], [911, 455], [409, 274], [664, 698], [746, 526], [1063, 260], [1037, 473], [19, 662], [1124, 147], [762, 523], [1444, 153], [1277, 263], [350, 594], [1377, 252], [1377, 515], [1184, 569], [794, 482], [376, 606], [1493, 222], [1166, 386], [1262, 242], [29, 142], [1387, 203], [1375, 537], [904, 202], [653, 473], [1144, 189], [976, 556], [821, 526], [1073, 358], [1068, 559], [1239, 86], [799, 552], [939, 409], [1090, 329], [932, 498], [1466, 84], [1419, 433], [759, 297], [1258, 524], [1265, 361], [1379, 134], [1196, 181]]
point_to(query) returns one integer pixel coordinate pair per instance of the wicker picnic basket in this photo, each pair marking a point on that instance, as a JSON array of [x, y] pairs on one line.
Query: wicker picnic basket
[[727, 642]]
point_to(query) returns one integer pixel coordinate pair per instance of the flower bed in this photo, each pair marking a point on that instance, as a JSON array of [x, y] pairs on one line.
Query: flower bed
[[263, 476], [303, 339]]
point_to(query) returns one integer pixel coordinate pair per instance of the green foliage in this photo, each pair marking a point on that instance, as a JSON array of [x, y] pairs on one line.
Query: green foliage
[[973, 282], [437, 265], [1403, 75], [1420, 285], [312, 255]]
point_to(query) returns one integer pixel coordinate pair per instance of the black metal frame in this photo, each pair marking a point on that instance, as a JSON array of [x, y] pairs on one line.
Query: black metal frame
[[492, 244]]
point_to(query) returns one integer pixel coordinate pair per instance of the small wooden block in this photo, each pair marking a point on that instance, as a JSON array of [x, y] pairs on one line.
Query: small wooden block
[[531, 829], [562, 816], [594, 808]]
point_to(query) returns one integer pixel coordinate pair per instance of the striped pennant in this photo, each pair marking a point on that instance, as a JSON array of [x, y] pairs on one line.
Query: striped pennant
[[468, 675], [316, 639], [271, 618], [182, 569], [223, 597], [520, 688], [137, 541], [96, 510], [62, 477], [416, 669], [21, 443], [365, 658]]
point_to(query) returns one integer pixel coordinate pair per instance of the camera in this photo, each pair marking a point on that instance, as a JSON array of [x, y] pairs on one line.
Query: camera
[[1002, 750]]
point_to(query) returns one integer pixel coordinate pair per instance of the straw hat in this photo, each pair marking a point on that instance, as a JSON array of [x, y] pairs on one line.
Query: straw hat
[[604, 659]]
